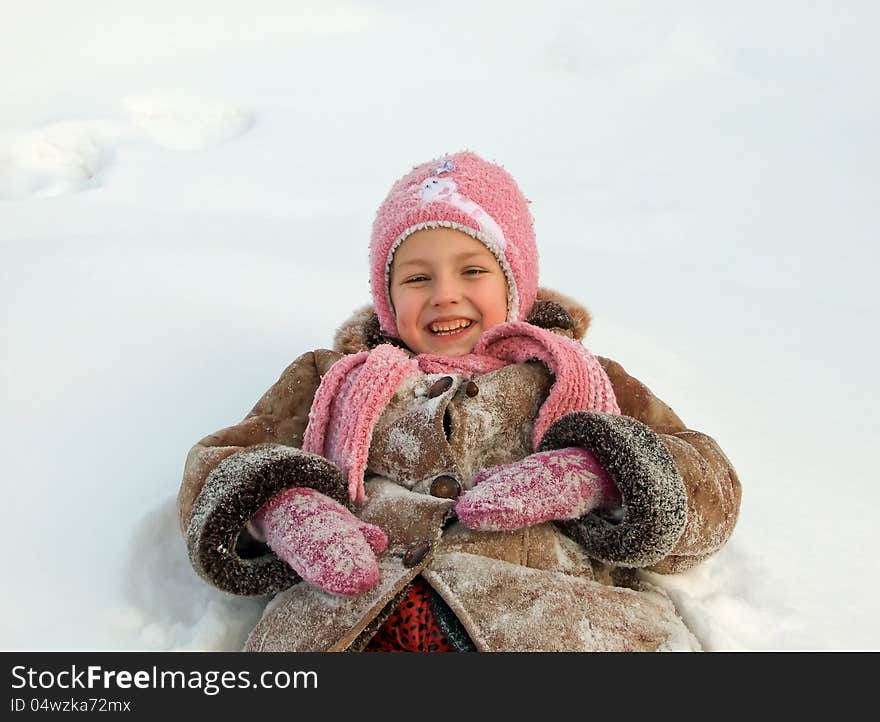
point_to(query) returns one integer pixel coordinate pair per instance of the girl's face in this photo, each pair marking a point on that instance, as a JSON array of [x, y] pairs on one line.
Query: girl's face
[[446, 289]]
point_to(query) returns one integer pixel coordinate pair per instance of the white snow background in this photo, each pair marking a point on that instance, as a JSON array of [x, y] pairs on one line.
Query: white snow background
[[186, 195]]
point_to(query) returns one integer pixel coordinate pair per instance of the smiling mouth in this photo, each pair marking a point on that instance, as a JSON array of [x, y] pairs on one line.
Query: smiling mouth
[[450, 328]]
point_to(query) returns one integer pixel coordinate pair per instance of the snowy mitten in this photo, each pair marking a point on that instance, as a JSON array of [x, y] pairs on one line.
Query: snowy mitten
[[547, 486], [323, 541]]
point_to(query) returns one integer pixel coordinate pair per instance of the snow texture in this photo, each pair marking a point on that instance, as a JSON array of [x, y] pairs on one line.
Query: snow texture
[[186, 123], [54, 159], [704, 178], [72, 156]]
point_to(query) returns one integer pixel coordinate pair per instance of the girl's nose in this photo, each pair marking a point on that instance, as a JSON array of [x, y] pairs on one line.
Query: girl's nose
[[445, 290]]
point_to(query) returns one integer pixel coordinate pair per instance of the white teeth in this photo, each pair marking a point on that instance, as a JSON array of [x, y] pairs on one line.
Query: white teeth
[[444, 327]]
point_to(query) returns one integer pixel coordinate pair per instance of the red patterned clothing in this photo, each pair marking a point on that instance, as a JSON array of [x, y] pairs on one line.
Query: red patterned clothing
[[411, 627]]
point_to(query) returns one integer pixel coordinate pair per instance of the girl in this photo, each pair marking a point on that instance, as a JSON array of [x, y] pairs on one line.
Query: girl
[[460, 472]]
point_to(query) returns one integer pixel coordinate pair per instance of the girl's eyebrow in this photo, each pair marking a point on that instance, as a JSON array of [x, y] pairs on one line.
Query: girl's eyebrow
[[460, 257]]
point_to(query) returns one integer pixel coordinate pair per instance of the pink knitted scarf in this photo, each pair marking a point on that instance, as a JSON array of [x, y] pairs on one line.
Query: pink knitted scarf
[[358, 387]]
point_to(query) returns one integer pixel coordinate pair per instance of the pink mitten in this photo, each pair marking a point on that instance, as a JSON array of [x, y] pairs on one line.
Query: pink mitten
[[323, 541], [550, 485]]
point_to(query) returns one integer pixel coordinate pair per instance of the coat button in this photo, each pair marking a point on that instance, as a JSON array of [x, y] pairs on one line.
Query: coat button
[[439, 386], [445, 487], [471, 389], [415, 554]]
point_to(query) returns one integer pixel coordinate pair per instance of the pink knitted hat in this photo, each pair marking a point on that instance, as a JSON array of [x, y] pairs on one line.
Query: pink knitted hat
[[464, 192]]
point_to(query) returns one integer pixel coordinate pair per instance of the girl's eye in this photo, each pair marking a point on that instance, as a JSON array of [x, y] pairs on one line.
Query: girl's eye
[[416, 279], [474, 271]]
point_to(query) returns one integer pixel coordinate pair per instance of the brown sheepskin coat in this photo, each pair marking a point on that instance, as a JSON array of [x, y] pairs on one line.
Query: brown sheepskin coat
[[565, 586]]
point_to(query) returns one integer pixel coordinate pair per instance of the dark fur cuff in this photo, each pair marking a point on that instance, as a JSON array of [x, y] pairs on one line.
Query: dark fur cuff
[[232, 494], [654, 494]]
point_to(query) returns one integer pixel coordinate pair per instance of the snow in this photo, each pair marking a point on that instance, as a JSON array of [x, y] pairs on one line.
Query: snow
[[183, 122], [186, 193]]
